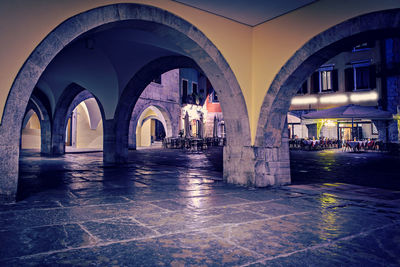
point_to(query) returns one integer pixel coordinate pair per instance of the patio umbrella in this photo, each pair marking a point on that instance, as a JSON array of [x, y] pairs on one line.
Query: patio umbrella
[[201, 127], [215, 125], [350, 112], [187, 126]]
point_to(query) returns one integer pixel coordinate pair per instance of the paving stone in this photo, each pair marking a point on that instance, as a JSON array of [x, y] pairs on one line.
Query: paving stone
[[78, 213], [42, 239], [117, 229], [174, 250]]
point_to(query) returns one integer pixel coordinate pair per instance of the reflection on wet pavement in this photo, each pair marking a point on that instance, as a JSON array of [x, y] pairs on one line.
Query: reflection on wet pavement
[[74, 211]]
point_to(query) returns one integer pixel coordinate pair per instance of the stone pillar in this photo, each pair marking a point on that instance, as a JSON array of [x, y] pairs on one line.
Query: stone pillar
[[9, 155], [239, 165], [393, 132], [73, 127], [381, 126], [58, 144], [257, 166], [115, 150], [45, 137], [132, 132], [132, 141]]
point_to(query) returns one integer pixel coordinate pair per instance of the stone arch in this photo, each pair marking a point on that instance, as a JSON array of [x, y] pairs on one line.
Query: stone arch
[[187, 36], [36, 105], [28, 116], [138, 117], [128, 111], [131, 93], [71, 97], [271, 138]]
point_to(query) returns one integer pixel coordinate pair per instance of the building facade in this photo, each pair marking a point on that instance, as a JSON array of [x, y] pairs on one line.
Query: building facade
[[364, 75]]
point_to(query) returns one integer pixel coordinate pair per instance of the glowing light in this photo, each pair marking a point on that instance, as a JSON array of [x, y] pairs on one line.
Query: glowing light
[[360, 97], [330, 123], [334, 99], [304, 100]]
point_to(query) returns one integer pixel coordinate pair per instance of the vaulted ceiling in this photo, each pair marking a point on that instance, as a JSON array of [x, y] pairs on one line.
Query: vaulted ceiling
[[247, 12]]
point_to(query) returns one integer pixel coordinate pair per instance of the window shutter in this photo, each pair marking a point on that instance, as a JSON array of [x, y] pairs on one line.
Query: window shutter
[[305, 87], [349, 79], [372, 76], [335, 85], [314, 85]]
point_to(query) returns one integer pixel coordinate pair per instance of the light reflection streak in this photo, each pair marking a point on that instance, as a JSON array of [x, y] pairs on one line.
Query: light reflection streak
[[328, 227]]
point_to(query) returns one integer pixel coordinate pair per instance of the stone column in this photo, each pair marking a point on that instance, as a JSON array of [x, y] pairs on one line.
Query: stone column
[[9, 154], [381, 126], [9, 163], [45, 137], [257, 166], [115, 150], [132, 134], [393, 132]]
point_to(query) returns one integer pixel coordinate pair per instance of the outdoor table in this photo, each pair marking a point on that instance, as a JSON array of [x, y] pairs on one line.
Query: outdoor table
[[356, 145], [353, 144]]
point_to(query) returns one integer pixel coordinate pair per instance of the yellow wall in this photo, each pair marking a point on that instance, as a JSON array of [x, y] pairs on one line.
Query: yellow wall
[[30, 138], [145, 133], [254, 54], [86, 137]]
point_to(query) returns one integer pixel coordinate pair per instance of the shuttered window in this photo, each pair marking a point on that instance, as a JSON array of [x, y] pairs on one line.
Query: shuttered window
[[362, 76]]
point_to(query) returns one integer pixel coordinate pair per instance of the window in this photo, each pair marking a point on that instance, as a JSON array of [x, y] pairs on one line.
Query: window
[[213, 96], [194, 88], [324, 80], [184, 91], [361, 76], [361, 80], [363, 46]]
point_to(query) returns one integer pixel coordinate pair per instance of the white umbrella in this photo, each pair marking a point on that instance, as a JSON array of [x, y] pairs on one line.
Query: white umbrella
[[187, 126], [215, 127]]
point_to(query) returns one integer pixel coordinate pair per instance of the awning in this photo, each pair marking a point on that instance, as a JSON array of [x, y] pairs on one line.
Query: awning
[[350, 112], [293, 119]]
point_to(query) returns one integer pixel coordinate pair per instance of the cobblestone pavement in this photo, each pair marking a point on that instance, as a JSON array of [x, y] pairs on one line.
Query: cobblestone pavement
[[154, 211], [373, 169]]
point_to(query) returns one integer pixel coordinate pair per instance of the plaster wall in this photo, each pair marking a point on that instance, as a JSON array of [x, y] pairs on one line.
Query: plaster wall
[[86, 137], [30, 138], [145, 133]]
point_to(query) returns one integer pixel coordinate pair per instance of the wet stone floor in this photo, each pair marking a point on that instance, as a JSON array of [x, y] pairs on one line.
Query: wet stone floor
[[155, 211]]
